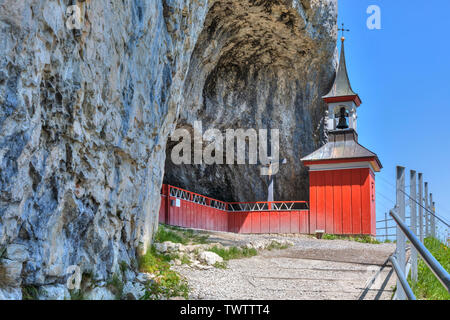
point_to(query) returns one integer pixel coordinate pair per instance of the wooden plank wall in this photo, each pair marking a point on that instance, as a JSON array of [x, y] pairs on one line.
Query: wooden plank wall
[[342, 202]]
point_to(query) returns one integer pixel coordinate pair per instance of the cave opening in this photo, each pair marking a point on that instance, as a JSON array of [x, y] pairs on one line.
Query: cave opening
[[256, 65]]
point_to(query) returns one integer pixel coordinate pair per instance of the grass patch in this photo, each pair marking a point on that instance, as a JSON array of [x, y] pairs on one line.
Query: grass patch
[[76, 294], [221, 265], [30, 293], [428, 286], [123, 266], [234, 252], [167, 283], [2, 253], [277, 246], [185, 260], [116, 286], [164, 234], [178, 235], [361, 239]]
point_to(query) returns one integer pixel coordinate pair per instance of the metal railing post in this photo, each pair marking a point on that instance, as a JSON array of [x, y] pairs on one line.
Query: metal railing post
[[432, 217], [427, 230], [420, 206], [441, 274], [401, 239], [413, 211], [402, 279], [386, 226]]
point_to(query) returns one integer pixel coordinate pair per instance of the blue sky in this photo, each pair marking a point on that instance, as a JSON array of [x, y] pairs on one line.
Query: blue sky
[[402, 74]]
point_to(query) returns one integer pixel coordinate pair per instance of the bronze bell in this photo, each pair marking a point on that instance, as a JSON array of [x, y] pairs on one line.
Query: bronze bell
[[343, 119]]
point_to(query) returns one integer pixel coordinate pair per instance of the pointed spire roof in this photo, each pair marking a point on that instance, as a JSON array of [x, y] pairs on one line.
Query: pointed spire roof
[[342, 90]]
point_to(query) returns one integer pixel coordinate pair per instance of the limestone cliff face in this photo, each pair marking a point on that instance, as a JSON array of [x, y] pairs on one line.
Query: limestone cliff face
[[261, 65], [84, 121], [85, 116]]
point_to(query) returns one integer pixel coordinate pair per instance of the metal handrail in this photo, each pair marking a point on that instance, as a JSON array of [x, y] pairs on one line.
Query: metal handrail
[[441, 274], [401, 276]]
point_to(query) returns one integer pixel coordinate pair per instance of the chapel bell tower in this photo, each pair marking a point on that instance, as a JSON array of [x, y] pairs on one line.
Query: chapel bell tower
[[342, 172], [342, 100]]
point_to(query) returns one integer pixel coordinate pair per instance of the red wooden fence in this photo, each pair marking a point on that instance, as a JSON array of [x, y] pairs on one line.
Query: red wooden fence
[[187, 209]]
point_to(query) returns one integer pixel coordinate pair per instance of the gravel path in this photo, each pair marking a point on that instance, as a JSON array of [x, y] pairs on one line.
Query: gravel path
[[311, 269]]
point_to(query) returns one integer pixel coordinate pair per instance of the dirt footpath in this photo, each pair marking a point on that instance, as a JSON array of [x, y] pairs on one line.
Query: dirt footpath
[[311, 269]]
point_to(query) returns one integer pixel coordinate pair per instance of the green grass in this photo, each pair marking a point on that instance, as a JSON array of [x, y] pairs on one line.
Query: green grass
[[234, 252], [361, 239], [30, 293], [2, 252], [221, 265], [115, 284], [179, 235], [123, 266], [76, 295], [185, 260], [277, 246], [428, 286], [167, 283], [164, 234]]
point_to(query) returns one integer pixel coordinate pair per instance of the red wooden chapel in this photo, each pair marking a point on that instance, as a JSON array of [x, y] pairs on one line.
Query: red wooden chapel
[[342, 172]]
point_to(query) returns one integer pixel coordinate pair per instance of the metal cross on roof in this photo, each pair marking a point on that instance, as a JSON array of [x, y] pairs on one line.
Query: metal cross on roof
[[343, 30]]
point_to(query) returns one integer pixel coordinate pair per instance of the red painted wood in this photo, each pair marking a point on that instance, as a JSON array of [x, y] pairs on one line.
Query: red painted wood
[[172, 213], [373, 210], [238, 222], [295, 221], [186, 209], [162, 210], [313, 201], [321, 209], [208, 218], [274, 223], [285, 222], [180, 214], [246, 222], [337, 201], [304, 220], [356, 201], [224, 224], [265, 222], [256, 222], [230, 222], [329, 206], [355, 98], [215, 219], [346, 202], [366, 219], [199, 214], [193, 215], [222, 220], [177, 216]]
